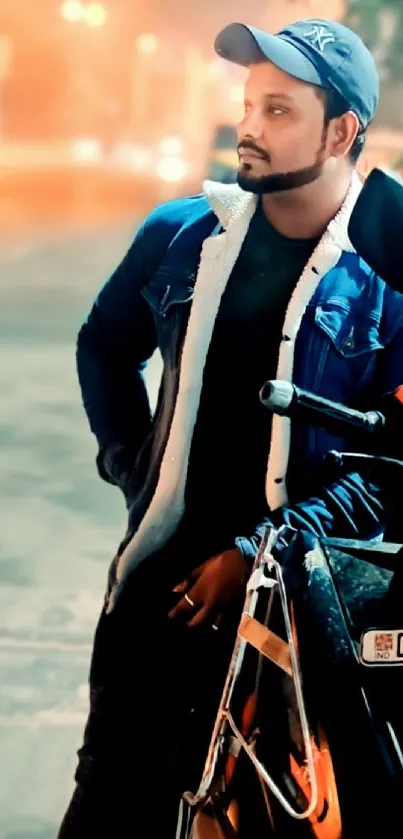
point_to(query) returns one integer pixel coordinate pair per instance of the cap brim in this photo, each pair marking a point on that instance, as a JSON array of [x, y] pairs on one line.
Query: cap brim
[[246, 45]]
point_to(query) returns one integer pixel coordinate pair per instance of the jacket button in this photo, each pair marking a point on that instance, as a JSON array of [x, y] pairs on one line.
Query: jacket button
[[278, 480], [348, 343]]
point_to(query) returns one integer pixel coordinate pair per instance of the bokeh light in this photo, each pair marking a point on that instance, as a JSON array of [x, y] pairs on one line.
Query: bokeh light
[[72, 11], [147, 43], [171, 169], [95, 14]]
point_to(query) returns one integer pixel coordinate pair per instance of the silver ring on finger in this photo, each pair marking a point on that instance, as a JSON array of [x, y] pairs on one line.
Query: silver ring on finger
[[190, 601]]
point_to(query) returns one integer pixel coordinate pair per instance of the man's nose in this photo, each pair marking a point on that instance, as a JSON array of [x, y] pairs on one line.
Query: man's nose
[[251, 126]]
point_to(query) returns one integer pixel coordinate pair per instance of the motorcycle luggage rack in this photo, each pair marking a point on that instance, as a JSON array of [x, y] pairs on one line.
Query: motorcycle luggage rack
[[284, 655]]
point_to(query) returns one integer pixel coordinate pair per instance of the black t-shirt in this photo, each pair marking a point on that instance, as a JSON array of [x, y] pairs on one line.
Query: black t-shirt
[[225, 492]]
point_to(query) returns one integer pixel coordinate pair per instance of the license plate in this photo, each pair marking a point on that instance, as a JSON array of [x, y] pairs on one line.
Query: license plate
[[382, 647]]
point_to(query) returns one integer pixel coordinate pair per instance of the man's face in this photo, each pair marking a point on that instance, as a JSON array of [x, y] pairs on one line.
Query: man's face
[[282, 137]]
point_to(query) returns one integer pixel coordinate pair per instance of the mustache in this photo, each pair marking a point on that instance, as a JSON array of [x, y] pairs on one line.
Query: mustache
[[248, 145]]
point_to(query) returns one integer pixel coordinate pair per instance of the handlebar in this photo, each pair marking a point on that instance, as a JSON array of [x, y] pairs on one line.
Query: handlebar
[[287, 399], [383, 429]]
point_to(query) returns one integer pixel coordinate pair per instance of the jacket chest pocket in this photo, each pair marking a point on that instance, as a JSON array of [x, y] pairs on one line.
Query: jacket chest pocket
[[347, 346]]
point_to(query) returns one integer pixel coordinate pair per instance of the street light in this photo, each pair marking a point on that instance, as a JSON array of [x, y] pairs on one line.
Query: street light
[[72, 10]]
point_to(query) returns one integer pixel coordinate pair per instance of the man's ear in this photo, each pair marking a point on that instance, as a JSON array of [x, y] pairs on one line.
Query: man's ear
[[342, 133]]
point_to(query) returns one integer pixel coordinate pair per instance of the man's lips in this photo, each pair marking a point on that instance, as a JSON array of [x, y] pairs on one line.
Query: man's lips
[[248, 154]]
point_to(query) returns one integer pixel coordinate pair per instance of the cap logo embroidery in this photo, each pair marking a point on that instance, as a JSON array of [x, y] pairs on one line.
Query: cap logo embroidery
[[320, 37]]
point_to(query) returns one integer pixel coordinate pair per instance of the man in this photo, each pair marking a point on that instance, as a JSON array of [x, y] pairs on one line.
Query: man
[[235, 287]]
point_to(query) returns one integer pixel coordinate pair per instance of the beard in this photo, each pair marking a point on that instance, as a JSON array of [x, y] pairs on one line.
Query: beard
[[280, 181]]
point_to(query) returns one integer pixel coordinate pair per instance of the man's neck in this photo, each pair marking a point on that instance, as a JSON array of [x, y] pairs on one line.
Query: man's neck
[[305, 213]]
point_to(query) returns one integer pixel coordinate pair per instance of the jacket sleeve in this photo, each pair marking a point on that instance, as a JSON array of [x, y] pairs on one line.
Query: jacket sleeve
[[113, 347], [350, 507]]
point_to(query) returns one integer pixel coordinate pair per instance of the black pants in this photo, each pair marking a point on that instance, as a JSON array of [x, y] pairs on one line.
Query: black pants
[[154, 690]]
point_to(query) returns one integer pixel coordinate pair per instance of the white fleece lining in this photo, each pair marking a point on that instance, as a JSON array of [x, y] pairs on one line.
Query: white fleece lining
[[326, 254], [218, 257], [234, 209]]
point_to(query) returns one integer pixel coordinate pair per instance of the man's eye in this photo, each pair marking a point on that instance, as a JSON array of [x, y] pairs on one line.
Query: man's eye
[[276, 110]]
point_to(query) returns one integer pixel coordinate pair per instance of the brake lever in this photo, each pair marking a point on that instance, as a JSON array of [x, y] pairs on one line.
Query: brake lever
[[378, 467]]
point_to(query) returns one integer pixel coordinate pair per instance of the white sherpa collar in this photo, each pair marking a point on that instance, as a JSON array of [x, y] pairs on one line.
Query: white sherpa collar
[[230, 202]]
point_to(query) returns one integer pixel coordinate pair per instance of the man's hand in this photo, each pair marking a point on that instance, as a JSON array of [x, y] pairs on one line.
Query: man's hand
[[210, 588]]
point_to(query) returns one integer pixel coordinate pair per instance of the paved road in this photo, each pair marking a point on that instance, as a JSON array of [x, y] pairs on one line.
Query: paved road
[[59, 525]]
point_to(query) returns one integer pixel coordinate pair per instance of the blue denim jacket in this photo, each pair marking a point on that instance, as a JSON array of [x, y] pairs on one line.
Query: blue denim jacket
[[349, 346]]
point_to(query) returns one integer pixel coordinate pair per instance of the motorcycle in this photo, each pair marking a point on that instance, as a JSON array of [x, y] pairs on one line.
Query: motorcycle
[[308, 737]]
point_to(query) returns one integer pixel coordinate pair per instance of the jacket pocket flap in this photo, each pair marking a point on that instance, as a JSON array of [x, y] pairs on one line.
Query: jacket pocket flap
[[352, 333]]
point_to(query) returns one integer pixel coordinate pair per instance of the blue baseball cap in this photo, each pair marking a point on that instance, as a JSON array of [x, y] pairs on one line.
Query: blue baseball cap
[[320, 52]]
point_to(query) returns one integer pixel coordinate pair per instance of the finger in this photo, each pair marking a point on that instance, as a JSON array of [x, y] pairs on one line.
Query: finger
[[200, 618], [186, 584], [181, 587], [185, 606]]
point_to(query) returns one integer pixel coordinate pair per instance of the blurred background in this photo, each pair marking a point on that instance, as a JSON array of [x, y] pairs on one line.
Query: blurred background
[[106, 108]]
